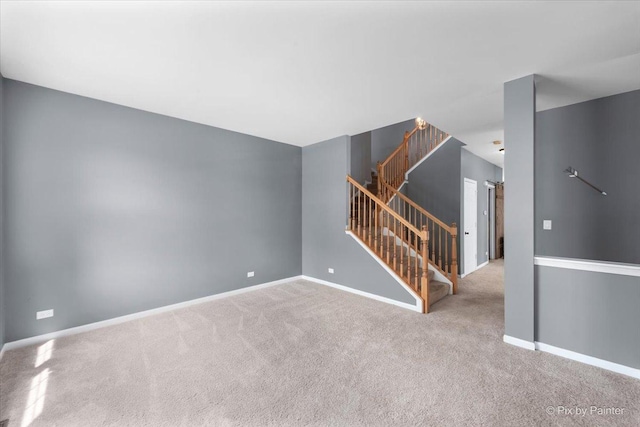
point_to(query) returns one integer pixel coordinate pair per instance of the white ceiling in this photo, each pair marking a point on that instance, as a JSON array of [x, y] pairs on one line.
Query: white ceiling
[[301, 73]]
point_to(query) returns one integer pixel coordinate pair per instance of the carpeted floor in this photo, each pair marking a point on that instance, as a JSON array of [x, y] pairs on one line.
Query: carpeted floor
[[305, 354]]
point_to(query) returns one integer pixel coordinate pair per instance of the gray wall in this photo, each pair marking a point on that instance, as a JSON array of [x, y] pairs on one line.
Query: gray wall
[[435, 185], [480, 170], [590, 313], [111, 211], [361, 157], [325, 166], [385, 140], [600, 139], [519, 136]]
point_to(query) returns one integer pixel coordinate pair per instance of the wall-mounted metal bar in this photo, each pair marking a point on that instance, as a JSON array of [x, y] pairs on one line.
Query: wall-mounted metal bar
[[574, 174]]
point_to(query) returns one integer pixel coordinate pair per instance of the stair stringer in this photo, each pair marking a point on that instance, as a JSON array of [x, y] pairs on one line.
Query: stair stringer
[[419, 307], [437, 275]]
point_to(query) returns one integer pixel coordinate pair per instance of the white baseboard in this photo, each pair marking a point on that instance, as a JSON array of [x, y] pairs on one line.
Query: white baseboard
[[484, 264], [589, 360], [578, 357], [417, 307], [518, 342], [117, 320]]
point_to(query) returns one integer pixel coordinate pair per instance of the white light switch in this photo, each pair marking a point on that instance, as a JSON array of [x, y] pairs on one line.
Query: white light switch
[[251, 274], [331, 271], [546, 224]]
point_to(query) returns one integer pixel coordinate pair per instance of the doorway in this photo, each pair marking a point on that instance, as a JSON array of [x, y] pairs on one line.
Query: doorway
[[470, 235], [491, 217]]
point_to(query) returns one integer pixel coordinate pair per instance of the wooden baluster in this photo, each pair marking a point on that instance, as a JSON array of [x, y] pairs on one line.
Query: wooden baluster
[[364, 216], [393, 245], [359, 204], [350, 219], [440, 247], [370, 215], [424, 283], [433, 243], [388, 227], [425, 141], [367, 205], [395, 171], [454, 257], [446, 252], [406, 155], [376, 237], [354, 228], [353, 211], [416, 277], [401, 250], [380, 177], [412, 216], [416, 240], [409, 256]]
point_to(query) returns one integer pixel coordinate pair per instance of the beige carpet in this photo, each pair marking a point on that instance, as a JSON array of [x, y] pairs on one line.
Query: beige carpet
[[305, 354]]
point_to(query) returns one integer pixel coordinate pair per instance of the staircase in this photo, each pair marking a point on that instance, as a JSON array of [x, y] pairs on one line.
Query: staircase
[[418, 247]]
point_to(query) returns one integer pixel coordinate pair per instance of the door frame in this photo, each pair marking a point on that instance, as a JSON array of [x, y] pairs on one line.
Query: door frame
[[464, 240], [491, 218]]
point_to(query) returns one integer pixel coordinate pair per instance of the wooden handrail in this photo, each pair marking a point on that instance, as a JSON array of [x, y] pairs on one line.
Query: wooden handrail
[[412, 148], [416, 206], [406, 138], [383, 205]]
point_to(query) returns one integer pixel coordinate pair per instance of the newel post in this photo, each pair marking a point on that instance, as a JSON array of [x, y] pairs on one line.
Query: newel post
[[454, 257], [424, 282]]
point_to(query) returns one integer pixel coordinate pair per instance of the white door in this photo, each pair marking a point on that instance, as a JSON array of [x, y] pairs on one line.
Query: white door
[[470, 235]]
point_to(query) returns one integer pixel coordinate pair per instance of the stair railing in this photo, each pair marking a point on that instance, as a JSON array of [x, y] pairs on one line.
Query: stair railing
[[415, 145], [442, 245], [389, 235]]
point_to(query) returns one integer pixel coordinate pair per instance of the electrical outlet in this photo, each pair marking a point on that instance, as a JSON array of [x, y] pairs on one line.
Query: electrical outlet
[[546, 224], [251, 274], [330, 270], [44, 314]]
